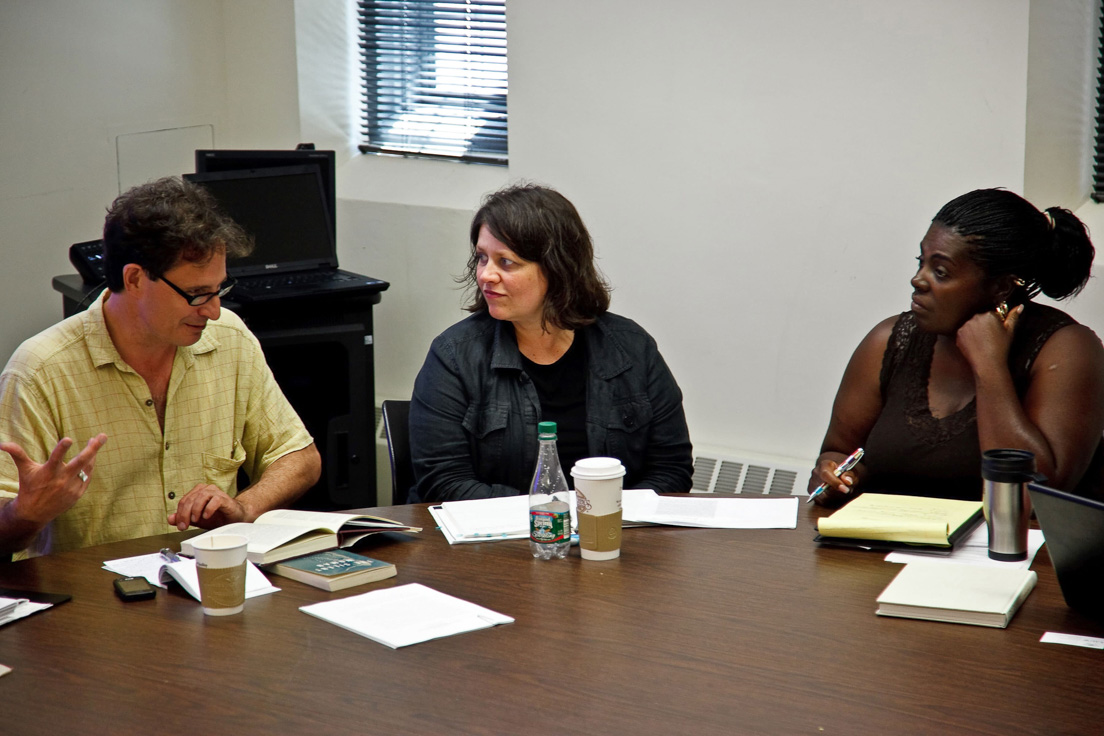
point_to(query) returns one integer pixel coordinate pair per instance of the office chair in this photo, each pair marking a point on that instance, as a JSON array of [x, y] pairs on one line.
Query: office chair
[[396, 415]]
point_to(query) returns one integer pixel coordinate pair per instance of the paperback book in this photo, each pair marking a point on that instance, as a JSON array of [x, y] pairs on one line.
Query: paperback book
[[336, 569]]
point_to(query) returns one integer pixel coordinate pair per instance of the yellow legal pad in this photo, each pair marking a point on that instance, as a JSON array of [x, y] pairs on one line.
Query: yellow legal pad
[[905, 519]]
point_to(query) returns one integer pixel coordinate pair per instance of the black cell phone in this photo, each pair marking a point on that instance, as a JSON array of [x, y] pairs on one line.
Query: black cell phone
[[88, 259], [134, 589]]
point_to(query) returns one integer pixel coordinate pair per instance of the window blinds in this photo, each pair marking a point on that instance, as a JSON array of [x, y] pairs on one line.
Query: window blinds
[[435, 78], [1098, 148]]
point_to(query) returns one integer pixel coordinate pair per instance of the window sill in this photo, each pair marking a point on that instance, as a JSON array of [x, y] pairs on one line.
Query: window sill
[[417, 181]]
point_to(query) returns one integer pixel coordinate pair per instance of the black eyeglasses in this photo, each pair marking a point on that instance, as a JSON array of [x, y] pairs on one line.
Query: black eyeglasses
[[195, 300]]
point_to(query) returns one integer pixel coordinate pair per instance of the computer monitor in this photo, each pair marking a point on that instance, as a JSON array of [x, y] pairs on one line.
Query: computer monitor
[[217, 160]]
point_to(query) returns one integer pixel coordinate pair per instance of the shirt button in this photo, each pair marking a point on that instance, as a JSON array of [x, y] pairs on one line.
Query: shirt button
[[172, 495], [166, 445], [149, 402]]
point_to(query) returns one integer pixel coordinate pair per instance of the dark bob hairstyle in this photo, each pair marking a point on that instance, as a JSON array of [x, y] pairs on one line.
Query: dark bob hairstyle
[[542, 226], [1049, 251], [161, 223]]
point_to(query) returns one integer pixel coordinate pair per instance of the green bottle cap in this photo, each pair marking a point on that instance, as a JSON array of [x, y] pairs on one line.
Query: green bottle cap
[[546, 428]]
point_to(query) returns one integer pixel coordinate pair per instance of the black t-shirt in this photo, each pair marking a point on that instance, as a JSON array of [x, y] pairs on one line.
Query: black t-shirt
[[561, 388]]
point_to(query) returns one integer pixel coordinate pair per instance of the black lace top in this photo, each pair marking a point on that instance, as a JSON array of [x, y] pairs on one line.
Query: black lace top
[[909, 450]]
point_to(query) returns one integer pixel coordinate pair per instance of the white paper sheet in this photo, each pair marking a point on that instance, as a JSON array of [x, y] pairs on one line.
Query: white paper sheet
[[24, 608], [974, 550], [405, 615], [1072, 640], [711, 512], [492, 519]]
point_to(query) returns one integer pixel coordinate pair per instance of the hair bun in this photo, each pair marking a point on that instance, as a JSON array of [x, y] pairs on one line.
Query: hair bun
[[1064, 262]]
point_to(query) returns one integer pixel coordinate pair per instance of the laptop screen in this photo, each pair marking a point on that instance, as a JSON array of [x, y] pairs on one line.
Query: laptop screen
[[283, 209], [1074, 531], [224, 159]]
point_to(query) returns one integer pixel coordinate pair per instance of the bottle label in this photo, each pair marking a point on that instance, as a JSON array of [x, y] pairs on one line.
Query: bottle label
[[549, 527]]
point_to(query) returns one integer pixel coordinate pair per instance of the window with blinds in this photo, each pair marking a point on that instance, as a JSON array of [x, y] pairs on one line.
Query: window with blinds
[[1098, 148], [435, 78]]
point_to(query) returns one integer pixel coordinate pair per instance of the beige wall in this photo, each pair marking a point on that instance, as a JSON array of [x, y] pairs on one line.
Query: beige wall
[[757, 176], [82, 82]]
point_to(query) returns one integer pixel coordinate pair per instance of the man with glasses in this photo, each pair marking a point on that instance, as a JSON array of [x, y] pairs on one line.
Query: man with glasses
[[165, 394]]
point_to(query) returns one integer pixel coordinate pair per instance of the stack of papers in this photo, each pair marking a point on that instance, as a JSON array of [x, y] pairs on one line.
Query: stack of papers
[[159, 572], [405, 614], [13, 609], [486, 519], [7, 605], [489, 519], [974, 550]]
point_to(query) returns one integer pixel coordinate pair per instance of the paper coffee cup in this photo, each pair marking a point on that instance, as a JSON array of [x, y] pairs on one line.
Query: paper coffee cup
[[220, 564], [598, 502]]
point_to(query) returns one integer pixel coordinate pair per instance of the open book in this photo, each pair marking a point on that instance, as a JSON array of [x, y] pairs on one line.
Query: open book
[[159, 571], [285, 533], [885, 521]]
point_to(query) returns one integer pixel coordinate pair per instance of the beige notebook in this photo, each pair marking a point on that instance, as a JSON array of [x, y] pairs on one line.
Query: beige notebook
[[963, 594]]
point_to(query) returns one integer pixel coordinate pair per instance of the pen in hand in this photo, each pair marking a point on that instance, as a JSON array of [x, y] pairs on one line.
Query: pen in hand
[[851, 461]]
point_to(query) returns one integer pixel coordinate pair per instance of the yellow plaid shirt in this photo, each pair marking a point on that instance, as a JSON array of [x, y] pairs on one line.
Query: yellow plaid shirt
[[224, 411]]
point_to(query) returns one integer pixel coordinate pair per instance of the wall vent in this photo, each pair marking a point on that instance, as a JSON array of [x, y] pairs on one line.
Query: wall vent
[[732, 472]]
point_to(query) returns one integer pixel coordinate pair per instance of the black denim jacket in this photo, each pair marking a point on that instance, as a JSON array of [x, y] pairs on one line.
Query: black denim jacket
[[474, 412]]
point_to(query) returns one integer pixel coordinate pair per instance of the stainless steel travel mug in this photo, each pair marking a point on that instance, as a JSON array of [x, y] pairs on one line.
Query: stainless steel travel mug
[[1005, 474]]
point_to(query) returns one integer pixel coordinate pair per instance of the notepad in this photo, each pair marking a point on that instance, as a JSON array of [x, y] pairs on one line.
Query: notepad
[[961, 594], [911, 520]]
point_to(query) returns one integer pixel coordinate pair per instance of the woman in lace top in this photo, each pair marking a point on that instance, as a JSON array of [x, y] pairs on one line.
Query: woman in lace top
[[975, 364]]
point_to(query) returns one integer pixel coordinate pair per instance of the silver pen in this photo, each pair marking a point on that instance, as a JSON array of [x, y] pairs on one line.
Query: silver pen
[[851, 461], [168, 555]]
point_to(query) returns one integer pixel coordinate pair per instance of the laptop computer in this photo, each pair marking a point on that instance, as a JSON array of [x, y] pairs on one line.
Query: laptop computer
[[284, 208], [209, 160], [1074, 530]]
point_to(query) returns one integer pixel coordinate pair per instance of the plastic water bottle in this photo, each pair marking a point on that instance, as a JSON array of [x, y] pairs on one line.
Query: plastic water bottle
[[549, 513]]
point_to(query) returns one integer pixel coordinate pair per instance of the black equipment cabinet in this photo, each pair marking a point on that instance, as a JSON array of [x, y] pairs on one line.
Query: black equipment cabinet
[[321, 351]]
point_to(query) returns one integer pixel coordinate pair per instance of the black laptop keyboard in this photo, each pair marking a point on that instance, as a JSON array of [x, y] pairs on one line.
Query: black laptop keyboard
[[258, 283]]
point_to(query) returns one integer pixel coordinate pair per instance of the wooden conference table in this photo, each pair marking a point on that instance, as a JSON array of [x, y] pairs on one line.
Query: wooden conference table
[[692, 631]]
